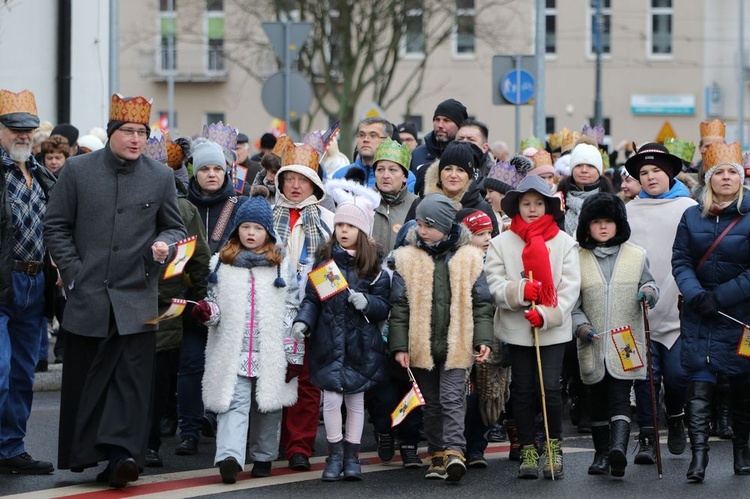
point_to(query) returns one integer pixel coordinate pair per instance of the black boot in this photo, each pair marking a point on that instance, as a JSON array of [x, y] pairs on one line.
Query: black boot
[[741, 427], [600, 435], [699, 416], [646, 451], [724, 410], [676, 441], [618, 443]]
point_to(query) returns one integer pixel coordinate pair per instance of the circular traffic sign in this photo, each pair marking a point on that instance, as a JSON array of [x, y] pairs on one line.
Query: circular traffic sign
[[517, 86], [300, 95]]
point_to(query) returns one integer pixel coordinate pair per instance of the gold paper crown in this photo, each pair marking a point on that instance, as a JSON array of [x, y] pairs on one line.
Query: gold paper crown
[[542, 158], [304, 155], [21, 102], [722, 154], [556, 139], [569, 141], [713, 128], [283, 144], [175, 155], [130, 109]]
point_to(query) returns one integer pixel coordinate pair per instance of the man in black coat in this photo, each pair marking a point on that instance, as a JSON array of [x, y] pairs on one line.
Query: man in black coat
[[111, 221]]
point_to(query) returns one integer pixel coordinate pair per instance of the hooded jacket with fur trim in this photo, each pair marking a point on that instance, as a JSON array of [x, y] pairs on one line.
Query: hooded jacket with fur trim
[[232, 296], [441, 305]]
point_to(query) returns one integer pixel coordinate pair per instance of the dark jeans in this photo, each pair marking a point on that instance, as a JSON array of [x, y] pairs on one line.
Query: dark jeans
[[189, 379], [667, 369], [526, 389], [475, 429], [610, 397]]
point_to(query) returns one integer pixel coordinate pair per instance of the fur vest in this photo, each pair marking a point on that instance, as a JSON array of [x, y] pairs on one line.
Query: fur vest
[[609, 306], [231, 294], [417, 269]]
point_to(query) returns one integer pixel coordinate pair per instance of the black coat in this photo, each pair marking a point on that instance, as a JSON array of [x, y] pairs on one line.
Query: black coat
[[210, 207], [346, 354]]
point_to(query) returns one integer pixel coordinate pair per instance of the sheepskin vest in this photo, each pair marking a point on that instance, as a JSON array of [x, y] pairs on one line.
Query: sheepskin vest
[[609, 306], [232, 292], [417, 269]]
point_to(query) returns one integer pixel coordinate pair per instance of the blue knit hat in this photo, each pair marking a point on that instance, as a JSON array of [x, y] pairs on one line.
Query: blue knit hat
[[256, 210]]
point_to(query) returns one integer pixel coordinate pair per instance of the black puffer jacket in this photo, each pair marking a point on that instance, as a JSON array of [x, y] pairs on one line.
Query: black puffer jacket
[[346, 353]]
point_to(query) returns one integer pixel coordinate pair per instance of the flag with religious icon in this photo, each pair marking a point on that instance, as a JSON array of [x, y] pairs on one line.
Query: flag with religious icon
[[175, 310], [328, 280], [627, 350], [411, 401], [183, 252], [743, 347]]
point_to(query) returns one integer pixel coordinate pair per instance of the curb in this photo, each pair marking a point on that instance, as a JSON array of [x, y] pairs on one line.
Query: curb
[[49, 381]]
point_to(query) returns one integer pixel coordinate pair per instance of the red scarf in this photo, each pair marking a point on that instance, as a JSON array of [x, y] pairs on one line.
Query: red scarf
[[536, 255]]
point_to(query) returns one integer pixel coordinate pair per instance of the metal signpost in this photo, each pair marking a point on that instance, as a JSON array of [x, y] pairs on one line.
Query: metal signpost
[[514, 82]]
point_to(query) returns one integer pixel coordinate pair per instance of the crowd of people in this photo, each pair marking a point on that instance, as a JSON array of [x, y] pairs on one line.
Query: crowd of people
[[501, 285]]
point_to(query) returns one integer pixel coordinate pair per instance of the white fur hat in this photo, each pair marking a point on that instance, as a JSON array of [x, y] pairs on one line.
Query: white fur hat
[[586, 154]]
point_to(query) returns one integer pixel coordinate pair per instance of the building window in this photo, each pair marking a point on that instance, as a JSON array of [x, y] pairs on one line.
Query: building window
[[215, 32], [465, 38], [164, 5], [606, 27], [550, 42], [214, 118], [660, 28], [414, 28], [549, 125], [167, 29]]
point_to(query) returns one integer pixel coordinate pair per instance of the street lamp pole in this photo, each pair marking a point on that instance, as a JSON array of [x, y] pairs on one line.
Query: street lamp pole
[[598, 49]]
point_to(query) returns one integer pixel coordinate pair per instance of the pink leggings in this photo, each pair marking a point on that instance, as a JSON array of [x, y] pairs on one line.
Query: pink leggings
[[355, 416]]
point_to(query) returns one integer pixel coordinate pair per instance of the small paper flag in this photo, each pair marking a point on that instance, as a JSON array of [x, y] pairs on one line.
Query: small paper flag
[[183, 252], [174, 310], [624, 341], [328, 280], [411, 401], [743, 349], [239, 178]]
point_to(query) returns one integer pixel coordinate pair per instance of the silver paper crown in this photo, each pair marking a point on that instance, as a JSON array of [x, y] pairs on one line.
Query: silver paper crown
[[156, 148], [224, 135]]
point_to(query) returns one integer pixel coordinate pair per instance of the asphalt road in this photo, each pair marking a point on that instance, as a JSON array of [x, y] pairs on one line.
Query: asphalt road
[[193, 476]]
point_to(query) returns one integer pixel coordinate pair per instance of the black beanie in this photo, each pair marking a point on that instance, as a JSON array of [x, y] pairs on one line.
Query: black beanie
[[453, 110], [464, 155], [66, 130], [113, 125], [602, 205]]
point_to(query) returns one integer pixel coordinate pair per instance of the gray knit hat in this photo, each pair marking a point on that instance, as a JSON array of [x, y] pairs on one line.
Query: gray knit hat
[[437, 211]]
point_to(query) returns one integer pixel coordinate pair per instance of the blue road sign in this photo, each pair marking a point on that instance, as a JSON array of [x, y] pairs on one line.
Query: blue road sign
[[517, 86]]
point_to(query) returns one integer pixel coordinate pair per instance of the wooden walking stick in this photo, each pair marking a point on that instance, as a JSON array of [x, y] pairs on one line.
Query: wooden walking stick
[[651, 388], [541, 385]]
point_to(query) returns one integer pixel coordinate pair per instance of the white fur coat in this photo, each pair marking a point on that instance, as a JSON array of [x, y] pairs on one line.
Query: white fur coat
[[231, 294]]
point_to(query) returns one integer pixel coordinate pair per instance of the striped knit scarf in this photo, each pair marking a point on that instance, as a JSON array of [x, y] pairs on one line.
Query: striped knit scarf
[[315, 233]]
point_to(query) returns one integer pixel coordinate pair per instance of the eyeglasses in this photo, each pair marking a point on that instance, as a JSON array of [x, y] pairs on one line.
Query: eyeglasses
[[371, 135], [141, 133]]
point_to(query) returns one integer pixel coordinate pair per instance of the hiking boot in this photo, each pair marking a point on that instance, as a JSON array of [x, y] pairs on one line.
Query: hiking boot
[[454, 465], [410, 456], [436, 470], [529, 467], [646, 453], [676, 440], [553, 460], [386, 446]]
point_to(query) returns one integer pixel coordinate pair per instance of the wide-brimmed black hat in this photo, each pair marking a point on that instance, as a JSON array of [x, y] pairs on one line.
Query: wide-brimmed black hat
[[653, 153], [509, 204]]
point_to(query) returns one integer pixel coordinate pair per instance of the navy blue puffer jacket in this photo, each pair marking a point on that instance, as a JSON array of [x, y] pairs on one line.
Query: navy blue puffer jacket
[[711, 341], [346, 354]]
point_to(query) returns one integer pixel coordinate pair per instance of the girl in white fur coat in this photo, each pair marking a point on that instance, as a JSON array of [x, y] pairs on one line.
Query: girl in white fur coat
[[246, 362]]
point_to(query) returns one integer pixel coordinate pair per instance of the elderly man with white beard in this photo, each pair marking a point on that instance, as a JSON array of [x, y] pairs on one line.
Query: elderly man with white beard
[[24, 191]]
